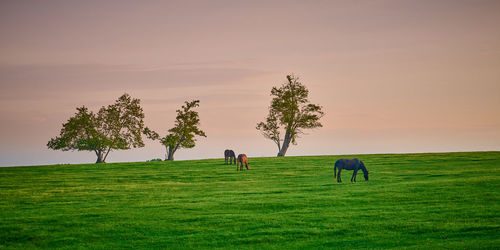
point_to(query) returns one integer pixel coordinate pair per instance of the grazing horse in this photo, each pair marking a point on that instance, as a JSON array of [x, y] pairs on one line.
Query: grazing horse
[[349, 164], [242, 158], [229, 154]]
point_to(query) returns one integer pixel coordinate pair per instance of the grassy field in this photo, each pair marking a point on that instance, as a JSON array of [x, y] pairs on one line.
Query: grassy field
[[448, 200]]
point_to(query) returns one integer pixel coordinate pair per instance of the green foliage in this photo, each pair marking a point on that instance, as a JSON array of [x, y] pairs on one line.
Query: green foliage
[[151, 134], [290, 110], [156, 159], [117, 126], [271, 129], [184, 132], [122, 122], [81, 132], [412, 201]]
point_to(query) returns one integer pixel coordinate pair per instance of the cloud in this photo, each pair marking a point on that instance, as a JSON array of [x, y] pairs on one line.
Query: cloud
[[56, 81]]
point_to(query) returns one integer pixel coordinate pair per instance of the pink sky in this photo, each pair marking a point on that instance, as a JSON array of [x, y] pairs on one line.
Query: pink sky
[[392, 76]]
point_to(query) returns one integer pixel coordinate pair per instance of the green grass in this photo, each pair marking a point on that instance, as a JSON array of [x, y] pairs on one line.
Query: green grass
[[448, 200]]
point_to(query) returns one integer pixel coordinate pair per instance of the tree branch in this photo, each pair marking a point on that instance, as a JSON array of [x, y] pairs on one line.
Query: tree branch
[[106, 156]]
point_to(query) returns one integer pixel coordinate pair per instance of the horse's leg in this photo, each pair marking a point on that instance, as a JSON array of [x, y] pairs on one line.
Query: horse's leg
[[237, 166], [338, 176], [355, 172], [246, 165]]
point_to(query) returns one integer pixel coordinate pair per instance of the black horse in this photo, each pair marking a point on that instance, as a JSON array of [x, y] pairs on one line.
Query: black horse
[[353, 164], [229, 154]]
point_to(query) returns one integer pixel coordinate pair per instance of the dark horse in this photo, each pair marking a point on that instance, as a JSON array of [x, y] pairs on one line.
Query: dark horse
[[229, 154], [348, 164]]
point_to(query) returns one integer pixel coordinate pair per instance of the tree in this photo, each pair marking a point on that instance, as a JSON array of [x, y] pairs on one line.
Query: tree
[[117, 126], [290, 110], [184, 132]]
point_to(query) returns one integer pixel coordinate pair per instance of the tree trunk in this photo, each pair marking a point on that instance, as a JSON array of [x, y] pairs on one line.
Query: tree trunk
[[286, 144], [171, 151], [100, 157]]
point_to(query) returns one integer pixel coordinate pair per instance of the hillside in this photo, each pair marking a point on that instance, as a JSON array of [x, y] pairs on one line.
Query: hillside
[[445, 200]]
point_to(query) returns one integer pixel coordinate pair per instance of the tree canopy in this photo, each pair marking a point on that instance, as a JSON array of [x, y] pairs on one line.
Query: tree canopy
[[290, 110], [116, 127], [182, 135]]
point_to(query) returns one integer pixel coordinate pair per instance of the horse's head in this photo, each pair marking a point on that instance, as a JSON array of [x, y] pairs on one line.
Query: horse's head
[[365, 171]]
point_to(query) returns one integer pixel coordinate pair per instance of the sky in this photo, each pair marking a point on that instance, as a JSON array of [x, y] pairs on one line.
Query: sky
[[392, 76]]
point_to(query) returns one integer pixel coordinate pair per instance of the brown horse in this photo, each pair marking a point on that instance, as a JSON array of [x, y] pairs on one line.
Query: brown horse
[[242, 158]]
